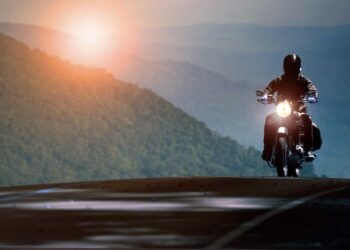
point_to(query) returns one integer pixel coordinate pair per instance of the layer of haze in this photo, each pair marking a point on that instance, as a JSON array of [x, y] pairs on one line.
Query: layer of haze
[[120, 15]]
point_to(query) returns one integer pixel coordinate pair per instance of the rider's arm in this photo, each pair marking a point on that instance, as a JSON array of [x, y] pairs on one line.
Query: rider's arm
[[310, 87], [272, 87]]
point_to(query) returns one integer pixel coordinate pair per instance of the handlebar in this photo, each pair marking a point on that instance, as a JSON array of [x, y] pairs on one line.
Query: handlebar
[[265, 98]]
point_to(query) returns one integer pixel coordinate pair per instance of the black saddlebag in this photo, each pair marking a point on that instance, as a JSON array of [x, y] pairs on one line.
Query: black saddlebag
[[316, 137]]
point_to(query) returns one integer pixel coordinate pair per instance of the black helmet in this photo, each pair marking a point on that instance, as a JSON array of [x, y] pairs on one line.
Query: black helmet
[[292, 65]]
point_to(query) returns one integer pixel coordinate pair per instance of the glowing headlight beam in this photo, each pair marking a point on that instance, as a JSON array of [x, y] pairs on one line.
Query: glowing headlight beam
[[283, 109]]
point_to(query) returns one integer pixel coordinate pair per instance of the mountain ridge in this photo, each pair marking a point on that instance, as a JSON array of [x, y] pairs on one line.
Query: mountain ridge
[[63, 122]]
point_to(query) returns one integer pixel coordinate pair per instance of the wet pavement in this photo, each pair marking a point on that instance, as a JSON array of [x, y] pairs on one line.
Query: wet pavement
[[321, 223], [179, 213]]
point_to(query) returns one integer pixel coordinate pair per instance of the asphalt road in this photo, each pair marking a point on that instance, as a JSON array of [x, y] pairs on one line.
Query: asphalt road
[[211, 213]]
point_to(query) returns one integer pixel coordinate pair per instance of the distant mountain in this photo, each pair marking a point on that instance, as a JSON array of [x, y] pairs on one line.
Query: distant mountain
[[207, 95], [255, 53], [64, 122], [236, 50], [227, 106], [247, 38]]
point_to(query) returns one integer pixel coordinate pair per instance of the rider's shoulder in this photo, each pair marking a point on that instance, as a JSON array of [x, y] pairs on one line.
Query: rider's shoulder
[[304, 78], [278, 79]]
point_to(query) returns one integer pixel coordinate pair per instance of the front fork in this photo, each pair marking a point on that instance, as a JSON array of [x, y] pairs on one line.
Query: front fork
[[282, 132], [295, 148]]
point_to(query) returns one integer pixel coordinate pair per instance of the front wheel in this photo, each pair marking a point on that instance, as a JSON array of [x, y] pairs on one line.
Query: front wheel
[[293, 166], [281, 156]]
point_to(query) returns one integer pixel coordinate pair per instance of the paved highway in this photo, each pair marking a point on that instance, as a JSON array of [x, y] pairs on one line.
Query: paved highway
[[209, 213]]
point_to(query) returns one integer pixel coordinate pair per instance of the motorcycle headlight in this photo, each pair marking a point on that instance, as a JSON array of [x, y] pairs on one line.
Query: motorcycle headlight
[[284, 109]]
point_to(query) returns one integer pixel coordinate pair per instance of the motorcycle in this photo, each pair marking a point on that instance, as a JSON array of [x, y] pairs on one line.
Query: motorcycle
[[288, 150]]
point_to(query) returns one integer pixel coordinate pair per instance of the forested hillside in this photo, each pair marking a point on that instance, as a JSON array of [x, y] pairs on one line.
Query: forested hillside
[[204, 94], [64, 122]]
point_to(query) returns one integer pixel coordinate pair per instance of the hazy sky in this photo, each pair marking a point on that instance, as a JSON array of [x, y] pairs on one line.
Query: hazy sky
[[124, 14]]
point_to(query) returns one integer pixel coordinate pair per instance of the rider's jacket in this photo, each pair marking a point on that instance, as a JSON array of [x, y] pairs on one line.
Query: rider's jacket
[[292, 88]]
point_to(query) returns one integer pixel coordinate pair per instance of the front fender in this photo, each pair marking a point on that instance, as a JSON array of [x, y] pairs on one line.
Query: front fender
[[282, 131]]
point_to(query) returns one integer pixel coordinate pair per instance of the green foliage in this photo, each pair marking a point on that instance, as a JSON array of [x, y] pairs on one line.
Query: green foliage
[[62, 122]]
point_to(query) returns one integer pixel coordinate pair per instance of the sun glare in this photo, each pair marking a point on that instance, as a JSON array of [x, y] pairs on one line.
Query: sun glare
[[91, 33]]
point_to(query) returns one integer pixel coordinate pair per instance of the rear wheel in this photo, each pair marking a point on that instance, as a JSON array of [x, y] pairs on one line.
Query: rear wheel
[[281, 156]]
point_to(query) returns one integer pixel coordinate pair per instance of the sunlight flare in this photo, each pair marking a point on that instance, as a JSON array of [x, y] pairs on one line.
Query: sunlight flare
[[91, 33]]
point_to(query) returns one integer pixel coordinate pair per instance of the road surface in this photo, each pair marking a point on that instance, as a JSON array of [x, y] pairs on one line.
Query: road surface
[[188, 213]]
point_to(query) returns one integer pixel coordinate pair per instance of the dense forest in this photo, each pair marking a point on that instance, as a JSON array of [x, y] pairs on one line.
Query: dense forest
[[62, 122]]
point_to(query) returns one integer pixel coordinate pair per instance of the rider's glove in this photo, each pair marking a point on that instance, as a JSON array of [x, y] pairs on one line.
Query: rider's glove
[[263, 99], [311, 99]]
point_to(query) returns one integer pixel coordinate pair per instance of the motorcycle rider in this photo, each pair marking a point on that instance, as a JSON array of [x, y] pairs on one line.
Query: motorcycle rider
[[292, 86]]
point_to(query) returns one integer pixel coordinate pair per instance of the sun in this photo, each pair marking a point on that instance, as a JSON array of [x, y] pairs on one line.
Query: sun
[[91, 33]]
